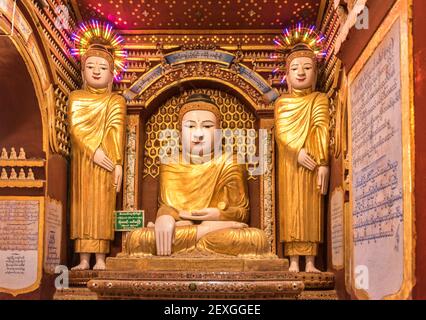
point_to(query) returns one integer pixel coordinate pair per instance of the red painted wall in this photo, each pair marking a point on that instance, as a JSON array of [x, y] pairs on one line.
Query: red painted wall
[[419, 27]]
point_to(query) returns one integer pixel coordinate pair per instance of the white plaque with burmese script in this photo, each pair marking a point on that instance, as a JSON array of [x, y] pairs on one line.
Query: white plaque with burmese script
[[337, 228], [20, 244], [53, 235], [377, 193]]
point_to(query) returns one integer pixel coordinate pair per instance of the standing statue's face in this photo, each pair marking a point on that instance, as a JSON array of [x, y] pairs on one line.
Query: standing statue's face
[[97, 72], [301, 74], [198, 131]]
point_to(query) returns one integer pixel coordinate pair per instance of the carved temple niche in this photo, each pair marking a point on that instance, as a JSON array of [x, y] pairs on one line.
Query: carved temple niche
[[235, 116], [30, 116], [21, 118], [243, 107]]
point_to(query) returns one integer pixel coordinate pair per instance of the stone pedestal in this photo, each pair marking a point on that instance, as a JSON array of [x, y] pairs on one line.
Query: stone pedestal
[[208, 278], [78, 287]]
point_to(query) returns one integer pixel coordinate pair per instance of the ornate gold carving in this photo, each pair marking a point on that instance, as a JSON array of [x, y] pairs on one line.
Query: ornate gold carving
[[319, 295], [133, 289], [58, 125], [224, 285], [268, 216], [203, 70], [130, 178], [23, 163], [185, 284], [199, 46]]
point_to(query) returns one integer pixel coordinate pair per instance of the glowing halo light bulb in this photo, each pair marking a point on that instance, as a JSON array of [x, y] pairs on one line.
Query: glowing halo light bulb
[[96, 32], [291, 37]]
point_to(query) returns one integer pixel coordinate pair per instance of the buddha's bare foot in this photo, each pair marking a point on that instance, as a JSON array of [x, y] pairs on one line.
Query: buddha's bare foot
[[311, 268], [294, 264], [310, 265], [294, 267], [84, 262], [100, 262], [151, 225], [84, 265], [100, 265]]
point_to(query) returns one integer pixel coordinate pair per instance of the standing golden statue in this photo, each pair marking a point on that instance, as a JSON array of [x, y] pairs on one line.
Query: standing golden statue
[[302, 135], [97, 124], [203, 199]]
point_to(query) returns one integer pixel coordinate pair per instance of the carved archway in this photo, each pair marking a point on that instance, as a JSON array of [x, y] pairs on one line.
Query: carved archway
[[202, 65]]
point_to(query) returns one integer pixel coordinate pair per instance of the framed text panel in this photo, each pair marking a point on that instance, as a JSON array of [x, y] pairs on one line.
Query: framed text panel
[[381, 162]]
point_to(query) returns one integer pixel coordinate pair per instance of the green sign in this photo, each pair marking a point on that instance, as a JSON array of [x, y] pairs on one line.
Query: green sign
[[128, 220]]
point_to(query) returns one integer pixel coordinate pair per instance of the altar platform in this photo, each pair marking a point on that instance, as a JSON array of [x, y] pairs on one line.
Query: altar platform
[[199, 278]]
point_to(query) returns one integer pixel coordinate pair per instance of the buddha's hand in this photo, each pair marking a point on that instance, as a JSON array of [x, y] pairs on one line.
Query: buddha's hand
[[306, 161], [118, 177], [101, 159], [206, 214], [164, 230], [323, 176]]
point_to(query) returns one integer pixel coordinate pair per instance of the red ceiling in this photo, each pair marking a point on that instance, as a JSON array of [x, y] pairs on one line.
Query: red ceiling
[[201, 14]]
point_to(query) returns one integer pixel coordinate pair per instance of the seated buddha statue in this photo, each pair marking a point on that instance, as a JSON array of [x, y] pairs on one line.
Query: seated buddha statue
[[203, 200]]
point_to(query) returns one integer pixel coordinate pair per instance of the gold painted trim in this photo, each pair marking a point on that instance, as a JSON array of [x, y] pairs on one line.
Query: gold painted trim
[[132, 46], [23, 163], [133, 121], [141, 32], [401, 11], [199, 60], [321, 12], [36, 285], [268, 124], [21, 183], [247, 97], [180, 81]]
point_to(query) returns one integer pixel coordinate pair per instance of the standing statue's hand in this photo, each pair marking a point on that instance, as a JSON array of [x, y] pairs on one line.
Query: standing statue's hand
[[164, 234], [102, 160], [306, 161], [118, 177], [323, 176], [207, 214]]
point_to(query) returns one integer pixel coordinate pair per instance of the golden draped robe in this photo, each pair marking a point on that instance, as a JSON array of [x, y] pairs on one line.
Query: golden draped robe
[[96, 120], [301, 121], [218, 183]]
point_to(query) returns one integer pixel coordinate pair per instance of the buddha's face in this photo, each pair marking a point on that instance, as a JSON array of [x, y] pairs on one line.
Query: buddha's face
[[198, 131], [97, 72], [301, 73]]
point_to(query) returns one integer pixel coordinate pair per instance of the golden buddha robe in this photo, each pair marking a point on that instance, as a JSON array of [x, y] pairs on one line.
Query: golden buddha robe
[[96, 120], [214, 184], [301, 121]]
